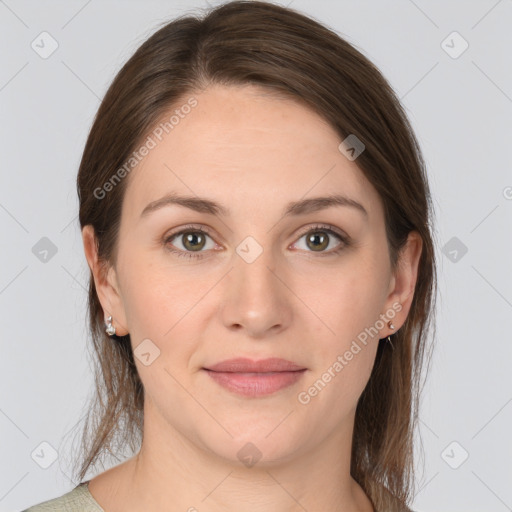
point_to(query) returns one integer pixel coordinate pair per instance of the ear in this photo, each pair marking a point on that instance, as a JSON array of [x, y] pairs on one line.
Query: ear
[[106, 284], [403, 282]]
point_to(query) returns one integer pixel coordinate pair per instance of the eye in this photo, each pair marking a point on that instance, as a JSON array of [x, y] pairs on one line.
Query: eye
[[319, 238], [194, 239]]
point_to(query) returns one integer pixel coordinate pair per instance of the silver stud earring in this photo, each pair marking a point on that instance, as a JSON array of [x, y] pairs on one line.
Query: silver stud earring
[[110, 329]]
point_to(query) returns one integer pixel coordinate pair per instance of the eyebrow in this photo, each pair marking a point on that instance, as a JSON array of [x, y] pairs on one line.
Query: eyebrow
[[301, 207]]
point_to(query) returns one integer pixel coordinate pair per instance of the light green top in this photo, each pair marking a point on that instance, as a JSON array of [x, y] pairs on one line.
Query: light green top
[[78, 499]]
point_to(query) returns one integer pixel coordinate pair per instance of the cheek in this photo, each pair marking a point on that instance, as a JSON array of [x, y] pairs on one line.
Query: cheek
[[166, 306], [346, 299], [160, 307], [156, 296]]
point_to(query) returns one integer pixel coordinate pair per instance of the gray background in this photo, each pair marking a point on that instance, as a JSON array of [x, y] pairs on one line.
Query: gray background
[[460, 106]]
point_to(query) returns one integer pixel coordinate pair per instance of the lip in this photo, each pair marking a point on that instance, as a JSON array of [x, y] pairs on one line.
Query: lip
[[245, 365], [255, 378]]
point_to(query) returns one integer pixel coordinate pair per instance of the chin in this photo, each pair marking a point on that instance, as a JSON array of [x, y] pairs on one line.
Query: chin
[[261, 446]]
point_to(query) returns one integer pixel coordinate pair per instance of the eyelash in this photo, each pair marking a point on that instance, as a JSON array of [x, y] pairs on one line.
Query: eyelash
[[346, 242]]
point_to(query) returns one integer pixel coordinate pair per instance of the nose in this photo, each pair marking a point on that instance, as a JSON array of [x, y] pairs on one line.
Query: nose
[[257, 299]]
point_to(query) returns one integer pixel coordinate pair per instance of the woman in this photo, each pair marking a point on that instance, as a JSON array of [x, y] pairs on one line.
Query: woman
[[256, 216]]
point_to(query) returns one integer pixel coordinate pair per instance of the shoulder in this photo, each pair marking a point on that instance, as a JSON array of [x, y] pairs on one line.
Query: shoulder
[[78, 499]]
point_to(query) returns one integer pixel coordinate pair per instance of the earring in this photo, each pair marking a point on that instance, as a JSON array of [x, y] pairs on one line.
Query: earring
[[391, 326], [110, 329]]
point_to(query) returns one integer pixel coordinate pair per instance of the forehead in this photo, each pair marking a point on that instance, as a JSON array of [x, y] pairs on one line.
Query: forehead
[[243, 146]]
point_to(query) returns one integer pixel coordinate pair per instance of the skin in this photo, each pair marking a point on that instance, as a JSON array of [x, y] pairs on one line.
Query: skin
[[253, 153]]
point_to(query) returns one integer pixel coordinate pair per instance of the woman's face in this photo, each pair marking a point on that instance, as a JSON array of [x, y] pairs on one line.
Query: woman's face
[[258, 283]]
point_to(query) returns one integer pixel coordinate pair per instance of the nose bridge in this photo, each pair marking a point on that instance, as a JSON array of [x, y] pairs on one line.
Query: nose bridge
[[254, 267]]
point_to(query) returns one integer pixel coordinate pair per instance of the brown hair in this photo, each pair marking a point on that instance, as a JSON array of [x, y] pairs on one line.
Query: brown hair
[[288, 53]]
